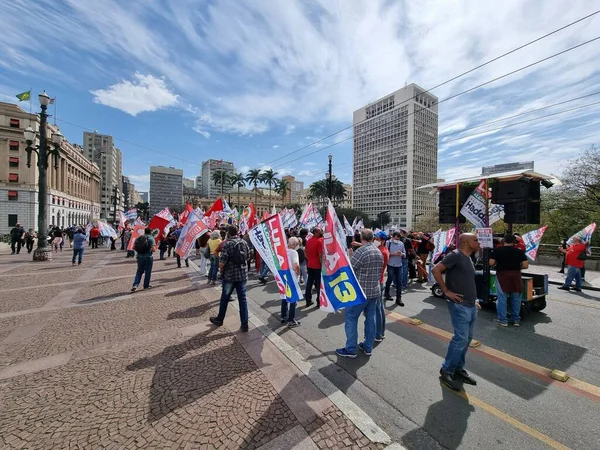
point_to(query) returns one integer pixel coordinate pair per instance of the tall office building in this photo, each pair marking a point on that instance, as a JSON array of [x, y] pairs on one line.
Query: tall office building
[[294, 189], [144, 197], [395, 152], [131, 196], [166, 188], [188, 183], [100, 149], [198, 184], [210, 189]]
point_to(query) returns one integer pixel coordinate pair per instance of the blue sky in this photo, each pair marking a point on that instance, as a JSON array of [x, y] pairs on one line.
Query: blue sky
[[253, 81]]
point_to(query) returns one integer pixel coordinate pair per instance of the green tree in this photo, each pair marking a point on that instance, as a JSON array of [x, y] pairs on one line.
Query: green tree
[[351, 214], [254, 177], [270, 179], [143, 210], [238, 181], [318, 191], [282, 187], [381, 220], [220, 177]]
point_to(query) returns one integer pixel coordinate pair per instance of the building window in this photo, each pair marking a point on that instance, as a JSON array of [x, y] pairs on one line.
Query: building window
[[13, 145], [13, 162], [15, 123], [13, 196], [13, 177], [12, 220]]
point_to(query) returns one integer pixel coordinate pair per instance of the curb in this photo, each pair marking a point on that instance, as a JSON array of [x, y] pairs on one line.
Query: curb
[[587, 288], [350, 409]]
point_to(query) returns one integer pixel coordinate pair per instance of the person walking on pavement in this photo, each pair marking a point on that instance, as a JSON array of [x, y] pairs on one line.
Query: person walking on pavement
[[313, 252], [79, 239], [460, 290], [232, 263], [509, 261], [288, 311], [394, 267], [367, 262], [17, 235], [564, 246], [29, 240], [94, 235], [380, 239], [144, 246], [213, 244], [575, 257], [177, 233]]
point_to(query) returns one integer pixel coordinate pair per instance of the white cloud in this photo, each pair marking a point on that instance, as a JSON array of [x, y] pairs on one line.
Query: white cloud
[[244, 169], [309, 163], [276, 146], [145, 93], [141, 182], [290, 129]]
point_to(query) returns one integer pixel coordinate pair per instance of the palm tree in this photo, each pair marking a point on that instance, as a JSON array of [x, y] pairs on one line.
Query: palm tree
[[220, 177], [338, 191], [270, 179], [254, 177], [318, 191], [237, 180], [282, 187]]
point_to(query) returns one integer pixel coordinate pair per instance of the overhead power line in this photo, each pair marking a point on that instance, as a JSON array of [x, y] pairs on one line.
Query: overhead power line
[[448, 81], [458, 94]]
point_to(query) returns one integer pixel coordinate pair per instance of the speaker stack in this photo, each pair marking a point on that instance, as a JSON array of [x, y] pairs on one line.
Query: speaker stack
[[521, 200]]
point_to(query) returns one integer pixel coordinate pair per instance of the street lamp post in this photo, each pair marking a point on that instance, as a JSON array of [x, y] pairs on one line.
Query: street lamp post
[[415, 219], [329, 180], [42, 252], [380, 218]]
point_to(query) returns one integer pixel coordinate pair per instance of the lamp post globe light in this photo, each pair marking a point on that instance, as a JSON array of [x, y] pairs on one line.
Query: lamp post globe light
[[43, 150], [329, 180]]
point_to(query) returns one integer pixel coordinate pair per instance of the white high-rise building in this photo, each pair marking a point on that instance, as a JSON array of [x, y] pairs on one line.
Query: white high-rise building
[[166, 188], [100, 149], [395, 152], [210, 189]]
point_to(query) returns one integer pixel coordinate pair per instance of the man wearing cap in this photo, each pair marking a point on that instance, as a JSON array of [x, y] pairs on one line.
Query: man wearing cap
[[17, 234], [394, 267], [313, 252]]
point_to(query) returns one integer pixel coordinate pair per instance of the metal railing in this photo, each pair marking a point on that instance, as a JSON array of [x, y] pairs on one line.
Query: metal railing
[[552, 250]]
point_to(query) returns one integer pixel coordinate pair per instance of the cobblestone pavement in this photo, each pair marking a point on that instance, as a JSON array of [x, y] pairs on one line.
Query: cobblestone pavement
[[84, 363]]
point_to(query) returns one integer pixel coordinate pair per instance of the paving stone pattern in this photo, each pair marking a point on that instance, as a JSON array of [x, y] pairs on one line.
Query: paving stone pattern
[[142, 370]]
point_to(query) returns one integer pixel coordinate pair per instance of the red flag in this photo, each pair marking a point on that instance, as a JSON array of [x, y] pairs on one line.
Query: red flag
[[266, 215], [185, 214], [137, 231], [217, 206], [158, 223]]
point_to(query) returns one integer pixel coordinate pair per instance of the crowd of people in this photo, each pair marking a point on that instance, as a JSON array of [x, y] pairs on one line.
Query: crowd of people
[[404, 256]]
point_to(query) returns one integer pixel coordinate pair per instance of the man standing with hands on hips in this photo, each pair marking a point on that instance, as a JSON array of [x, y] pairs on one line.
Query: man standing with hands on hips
[[461, 293]]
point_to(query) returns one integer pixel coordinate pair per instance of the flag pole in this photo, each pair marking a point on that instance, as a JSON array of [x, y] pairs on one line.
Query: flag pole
[[54, 110]]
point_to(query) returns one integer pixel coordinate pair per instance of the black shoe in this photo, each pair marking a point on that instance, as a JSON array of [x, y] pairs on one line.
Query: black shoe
[[449, 380], [561, 271], [134, 288], [576, 290], [399, 302], [262, 280], [244, 327], [388, 297], [216, 321], [179, 267], [187, 265], [563, 288], [465, 377], [309, 304]]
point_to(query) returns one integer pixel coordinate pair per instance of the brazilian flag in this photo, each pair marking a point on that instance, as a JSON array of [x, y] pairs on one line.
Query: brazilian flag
[[23, 96]]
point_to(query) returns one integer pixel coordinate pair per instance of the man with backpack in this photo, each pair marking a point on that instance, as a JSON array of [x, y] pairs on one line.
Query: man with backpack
[[232, 264], [394, 267], [144, 246]]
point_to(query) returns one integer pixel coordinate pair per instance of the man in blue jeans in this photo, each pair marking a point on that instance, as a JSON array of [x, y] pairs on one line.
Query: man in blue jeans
[[509, 260], [367, 262], [79, 240], [394, 267], [144, 246], [233, 264], [461, 293]]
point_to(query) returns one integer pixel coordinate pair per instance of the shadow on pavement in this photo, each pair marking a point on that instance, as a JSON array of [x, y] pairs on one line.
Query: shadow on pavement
[[446, 421], [189, 313]]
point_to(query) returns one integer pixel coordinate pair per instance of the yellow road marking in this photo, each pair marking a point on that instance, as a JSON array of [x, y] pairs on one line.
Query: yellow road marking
[[511, 420], [593, 391]]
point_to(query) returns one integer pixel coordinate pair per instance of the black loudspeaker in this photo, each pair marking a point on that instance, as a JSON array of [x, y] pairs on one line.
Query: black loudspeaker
[[504, 192], [447, 203], [526, 212]]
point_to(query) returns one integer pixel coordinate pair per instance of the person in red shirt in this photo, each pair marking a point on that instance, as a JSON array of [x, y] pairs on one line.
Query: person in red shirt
[[94, 234], [380, 238], [575, 264], [314, 253], [520, 244]]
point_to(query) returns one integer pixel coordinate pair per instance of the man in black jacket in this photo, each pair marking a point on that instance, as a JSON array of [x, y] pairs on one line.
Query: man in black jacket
[[16, 238]]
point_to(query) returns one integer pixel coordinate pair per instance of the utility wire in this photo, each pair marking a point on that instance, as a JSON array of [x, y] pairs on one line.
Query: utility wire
[[446, 82], [454, 95], [466, 129]]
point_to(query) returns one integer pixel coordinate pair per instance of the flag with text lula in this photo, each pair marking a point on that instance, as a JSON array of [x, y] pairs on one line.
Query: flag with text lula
[[269, 240], [193, 229], [339, 284]]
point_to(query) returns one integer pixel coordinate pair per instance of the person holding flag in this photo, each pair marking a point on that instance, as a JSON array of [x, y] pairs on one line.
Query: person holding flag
[[367, 263], [288, 309]]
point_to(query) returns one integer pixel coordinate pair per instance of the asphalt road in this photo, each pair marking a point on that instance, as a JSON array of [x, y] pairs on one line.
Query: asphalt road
[[512, 406]]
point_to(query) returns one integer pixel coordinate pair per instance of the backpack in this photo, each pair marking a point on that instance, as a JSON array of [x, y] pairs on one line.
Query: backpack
[[301, 255], [239, 253], [142, 244]]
